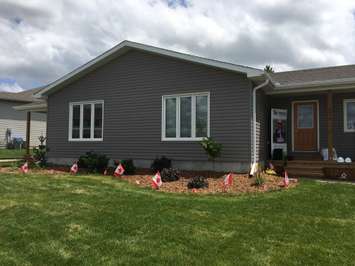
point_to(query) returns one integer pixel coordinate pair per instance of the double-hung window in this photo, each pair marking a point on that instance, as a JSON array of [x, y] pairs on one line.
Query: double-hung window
[[349, 115], [186, 116], [86, 121]]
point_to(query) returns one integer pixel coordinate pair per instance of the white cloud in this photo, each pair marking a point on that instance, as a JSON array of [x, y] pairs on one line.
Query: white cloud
[[10, 86], [46, 39]]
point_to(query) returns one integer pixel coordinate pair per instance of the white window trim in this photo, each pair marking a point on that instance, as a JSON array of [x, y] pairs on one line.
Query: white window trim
[[345, 115], [193, 116], [81, 139]]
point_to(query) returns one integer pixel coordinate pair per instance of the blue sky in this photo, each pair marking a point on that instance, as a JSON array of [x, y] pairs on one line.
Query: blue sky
[[46, 39]]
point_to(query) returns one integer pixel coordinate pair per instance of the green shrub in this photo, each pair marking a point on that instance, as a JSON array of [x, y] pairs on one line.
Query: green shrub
[[212, 148], [197, 182], [160, 163], [128, 165], [169, 175], [39, 154], [93, 162]]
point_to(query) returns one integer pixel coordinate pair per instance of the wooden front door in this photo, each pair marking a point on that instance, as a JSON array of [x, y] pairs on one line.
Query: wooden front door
[[305, 126]]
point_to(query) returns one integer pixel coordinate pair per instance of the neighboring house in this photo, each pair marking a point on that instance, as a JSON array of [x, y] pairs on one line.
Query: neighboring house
[[138, 101], [15, 120]]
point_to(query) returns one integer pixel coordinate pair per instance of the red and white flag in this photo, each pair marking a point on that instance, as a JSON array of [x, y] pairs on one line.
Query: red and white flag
[[156, 181], [24, 168], [228, 180], [119, 170], [74, 168], [286, 179]]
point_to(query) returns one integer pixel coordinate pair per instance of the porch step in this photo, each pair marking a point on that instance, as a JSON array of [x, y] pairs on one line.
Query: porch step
[[312, 156], [315, 172]]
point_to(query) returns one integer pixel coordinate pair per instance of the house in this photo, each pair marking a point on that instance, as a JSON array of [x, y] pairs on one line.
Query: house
[[138, 101], [13, 122]]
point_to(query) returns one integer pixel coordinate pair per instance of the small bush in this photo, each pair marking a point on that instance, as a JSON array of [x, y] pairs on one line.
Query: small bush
[[128, 165], [169, 175], [93, 162], [259, 179], [197, 182], [39, 154], [160, 163], [211, 147]]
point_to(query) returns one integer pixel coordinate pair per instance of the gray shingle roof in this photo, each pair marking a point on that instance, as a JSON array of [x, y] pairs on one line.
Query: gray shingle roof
[[23, 96], [313, 75]]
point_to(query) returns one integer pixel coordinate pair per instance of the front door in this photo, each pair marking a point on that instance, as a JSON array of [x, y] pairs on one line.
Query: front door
[[305, 127]]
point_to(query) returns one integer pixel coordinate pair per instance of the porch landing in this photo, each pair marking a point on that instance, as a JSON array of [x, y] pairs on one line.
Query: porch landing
[[317, 169]]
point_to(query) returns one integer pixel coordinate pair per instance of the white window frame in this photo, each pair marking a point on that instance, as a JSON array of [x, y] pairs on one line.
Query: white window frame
[[345, 115], [81, 104], [193, 116]]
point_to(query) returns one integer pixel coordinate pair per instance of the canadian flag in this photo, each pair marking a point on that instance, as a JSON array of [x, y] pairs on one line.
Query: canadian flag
[[228, 180], [286, 180], [119, 170], [24, 168], [74, 168], [156, 181]]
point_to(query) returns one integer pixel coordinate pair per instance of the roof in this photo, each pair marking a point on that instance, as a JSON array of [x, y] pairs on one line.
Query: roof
[[126, 46], [23, 96], [314, 76]]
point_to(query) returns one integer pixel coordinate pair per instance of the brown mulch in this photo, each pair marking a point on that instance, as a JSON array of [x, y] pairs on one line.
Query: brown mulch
[[242, 183]]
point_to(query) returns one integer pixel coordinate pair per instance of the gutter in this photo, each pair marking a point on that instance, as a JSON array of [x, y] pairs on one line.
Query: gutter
[[255, 89]]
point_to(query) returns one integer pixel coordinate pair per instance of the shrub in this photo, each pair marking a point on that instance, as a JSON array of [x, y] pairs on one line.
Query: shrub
[[169, 175], [212, 148], [259, 179], [160, 163], [93, 162], [128, 165], [197, 182], [39, 154]]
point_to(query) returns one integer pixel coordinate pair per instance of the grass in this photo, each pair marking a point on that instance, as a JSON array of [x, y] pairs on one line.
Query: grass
[[12, 153], [94, 220]]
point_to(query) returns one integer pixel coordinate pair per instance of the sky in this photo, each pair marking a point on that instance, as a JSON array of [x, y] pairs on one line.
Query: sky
[[42, 40]]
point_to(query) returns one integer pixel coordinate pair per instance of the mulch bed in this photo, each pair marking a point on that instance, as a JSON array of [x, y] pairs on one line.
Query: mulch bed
[[242, 183]]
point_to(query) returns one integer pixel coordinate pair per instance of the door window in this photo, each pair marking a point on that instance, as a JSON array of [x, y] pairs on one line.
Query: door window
[[305, 116]]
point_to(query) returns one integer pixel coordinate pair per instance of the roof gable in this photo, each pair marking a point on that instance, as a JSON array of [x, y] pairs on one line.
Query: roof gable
[[126, 46]]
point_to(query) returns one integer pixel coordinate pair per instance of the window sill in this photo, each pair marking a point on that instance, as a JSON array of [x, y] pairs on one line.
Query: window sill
[[181, 139], [85, 140]]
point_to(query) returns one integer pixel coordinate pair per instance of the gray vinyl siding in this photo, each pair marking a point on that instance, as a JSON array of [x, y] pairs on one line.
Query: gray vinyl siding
[[16, 121], [132, 87], [344, 143]]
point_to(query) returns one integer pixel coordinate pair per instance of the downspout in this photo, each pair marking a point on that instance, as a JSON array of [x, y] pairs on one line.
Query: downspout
[[254, 161]]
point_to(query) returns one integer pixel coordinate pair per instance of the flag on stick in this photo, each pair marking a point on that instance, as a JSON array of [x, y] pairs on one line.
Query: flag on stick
[[228, 180], [271, 166], [24, 168], [286, 180], [156, 181], [119, 170], [74, 169]]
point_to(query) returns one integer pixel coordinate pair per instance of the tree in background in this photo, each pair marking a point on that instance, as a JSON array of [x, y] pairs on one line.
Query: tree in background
[[269, 69]]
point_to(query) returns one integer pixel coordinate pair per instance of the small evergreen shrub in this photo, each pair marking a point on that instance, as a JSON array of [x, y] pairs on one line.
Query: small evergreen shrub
[[197, 182], [93, 162], [128, 165], [160, 163], [170, 174]]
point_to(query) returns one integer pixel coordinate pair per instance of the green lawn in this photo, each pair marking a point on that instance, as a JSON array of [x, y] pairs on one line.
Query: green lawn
[[12, 153], [94, 220]]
